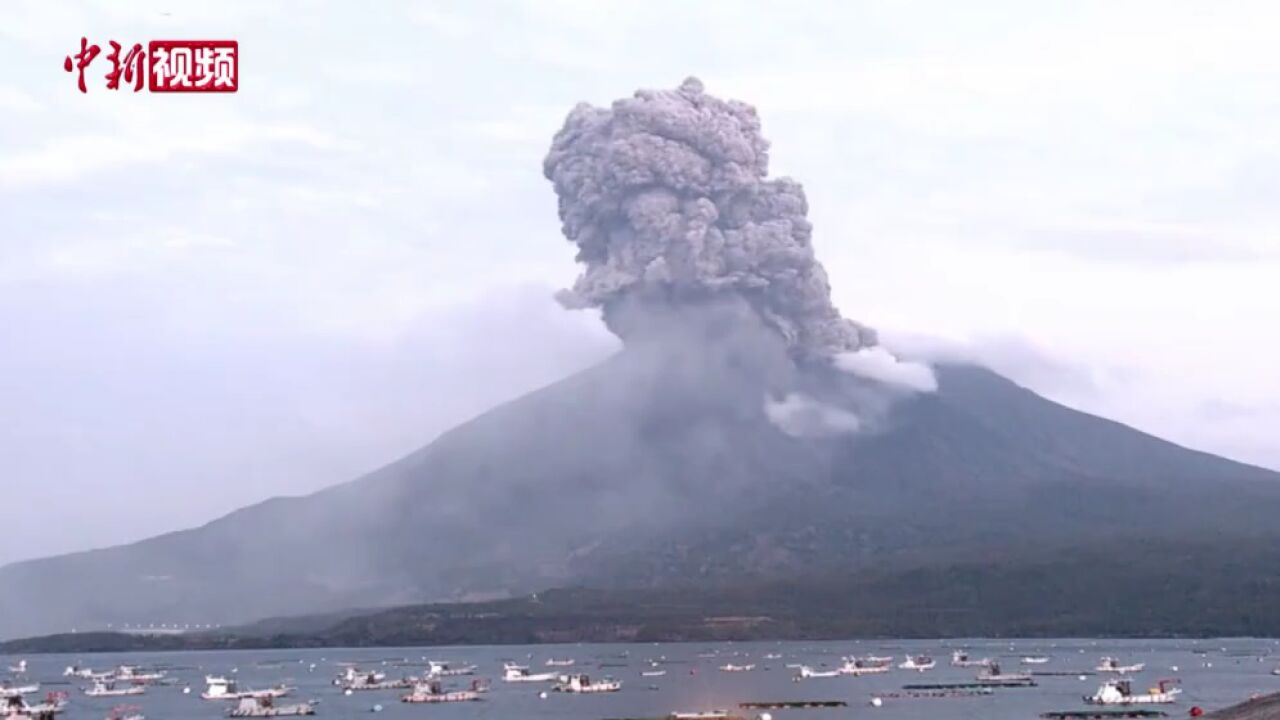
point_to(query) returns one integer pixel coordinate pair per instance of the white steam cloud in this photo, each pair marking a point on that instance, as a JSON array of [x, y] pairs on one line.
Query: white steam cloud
[[878, 364]]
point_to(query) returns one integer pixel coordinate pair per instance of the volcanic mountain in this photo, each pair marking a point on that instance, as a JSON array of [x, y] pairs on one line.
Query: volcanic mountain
[[747, 432], [636, 474]]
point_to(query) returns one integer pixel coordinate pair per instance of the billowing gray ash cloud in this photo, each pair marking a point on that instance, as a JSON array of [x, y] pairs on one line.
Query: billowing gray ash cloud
[[668, 198]]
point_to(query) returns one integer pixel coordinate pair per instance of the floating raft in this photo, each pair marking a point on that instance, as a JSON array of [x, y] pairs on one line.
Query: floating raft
[[975, 692], [793, 705], [1102, 714], [970, 686]]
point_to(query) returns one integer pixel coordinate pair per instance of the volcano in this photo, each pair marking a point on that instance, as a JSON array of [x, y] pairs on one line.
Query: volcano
[[632, 474], [746, 433]]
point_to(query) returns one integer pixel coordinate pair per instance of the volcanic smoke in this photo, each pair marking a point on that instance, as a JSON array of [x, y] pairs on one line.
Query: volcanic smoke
[[668, 198]]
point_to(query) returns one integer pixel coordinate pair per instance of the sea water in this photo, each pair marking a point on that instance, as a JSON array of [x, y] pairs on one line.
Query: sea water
[[1214, 673]]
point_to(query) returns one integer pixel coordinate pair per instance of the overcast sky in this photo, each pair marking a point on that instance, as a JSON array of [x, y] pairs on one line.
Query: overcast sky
[[206, 301]]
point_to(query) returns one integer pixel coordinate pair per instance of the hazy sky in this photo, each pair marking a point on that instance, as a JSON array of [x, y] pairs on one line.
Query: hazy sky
[[209, 300]]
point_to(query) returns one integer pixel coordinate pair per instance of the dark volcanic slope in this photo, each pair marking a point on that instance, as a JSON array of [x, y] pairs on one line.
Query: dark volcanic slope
[[625, 474]]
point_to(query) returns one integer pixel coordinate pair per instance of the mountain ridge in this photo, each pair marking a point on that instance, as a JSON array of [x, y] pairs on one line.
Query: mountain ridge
[[619, 476]]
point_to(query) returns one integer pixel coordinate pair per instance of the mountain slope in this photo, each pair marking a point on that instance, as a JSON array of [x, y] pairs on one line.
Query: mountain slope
[[643, 473]]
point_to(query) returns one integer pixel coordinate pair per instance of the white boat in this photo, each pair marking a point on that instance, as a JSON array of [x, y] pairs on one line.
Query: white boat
[[1035, 659], [265, 706], [919, 663], [520, 674], [84, 672], [993, 674], [860, 666], [808, 672], [773, 656], [705, 715], [960, 658], [1276, 671], [15, 707], [652, 673], [20, 668], [221, 688], [582, 684], [444, 669], [552, 662], [1111, 665], [1120, 692], [129, 673], [879, 659], [7, 691], [430, 691], [354, 679], [105, 688], [730, 667]]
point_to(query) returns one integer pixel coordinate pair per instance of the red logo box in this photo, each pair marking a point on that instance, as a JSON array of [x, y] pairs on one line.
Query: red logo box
[[193, 66]]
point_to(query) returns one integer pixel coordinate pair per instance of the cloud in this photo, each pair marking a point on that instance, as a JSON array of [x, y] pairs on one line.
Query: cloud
[[878, 364]]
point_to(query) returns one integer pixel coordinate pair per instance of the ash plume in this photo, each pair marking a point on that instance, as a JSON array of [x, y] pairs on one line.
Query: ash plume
[[691, 250], [667, 196]]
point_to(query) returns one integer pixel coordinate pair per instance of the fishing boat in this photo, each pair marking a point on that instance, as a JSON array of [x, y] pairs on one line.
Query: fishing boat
[[860, 666], [1111, 665], [354, 679], [126, 712], [265, 706], [15, 707], [7, 691], [221, 688], [353, 674], [960, 658], [581, 683], [919, 663], [1035, 659], [108, 688], [552, 662], [730, 667], [430, 691], [1120, 692], [444, 669], [808, 672], [520, 674], [130, 673], [993, 674]]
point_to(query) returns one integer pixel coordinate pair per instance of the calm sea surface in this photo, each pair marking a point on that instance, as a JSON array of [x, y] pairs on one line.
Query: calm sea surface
[[1214, 673]]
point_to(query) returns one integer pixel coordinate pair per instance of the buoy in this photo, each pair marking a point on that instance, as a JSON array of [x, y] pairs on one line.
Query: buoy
[[1174, 668], [876, 702], [347, 692], [377, 708], [766, 716], [186, 691], [1196, 711], [542, 695], [1082, 678]]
